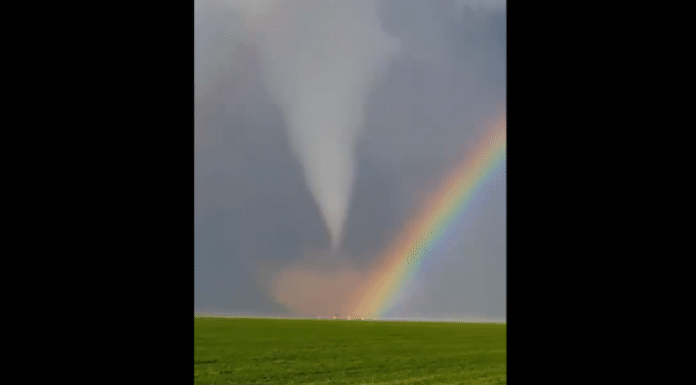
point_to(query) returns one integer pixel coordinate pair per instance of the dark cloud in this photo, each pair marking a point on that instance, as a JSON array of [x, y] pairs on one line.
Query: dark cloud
[[252, 204]]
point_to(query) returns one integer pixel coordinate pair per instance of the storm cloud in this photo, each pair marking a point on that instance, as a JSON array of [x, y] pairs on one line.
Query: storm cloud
[[423, 105]]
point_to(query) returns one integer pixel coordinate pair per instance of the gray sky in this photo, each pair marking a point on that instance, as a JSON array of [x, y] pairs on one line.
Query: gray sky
[[255, 213]]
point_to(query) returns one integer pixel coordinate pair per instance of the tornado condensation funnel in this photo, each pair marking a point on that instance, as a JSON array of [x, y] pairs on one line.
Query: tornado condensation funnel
[[319, 60]]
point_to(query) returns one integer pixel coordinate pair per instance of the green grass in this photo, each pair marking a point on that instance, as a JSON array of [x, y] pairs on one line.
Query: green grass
[[284, 351]]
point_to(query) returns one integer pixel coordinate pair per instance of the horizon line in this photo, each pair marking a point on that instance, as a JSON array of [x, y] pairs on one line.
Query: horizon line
[[384, 319]]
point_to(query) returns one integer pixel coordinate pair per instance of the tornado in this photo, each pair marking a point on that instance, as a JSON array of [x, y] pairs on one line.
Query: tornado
[[319, 60]]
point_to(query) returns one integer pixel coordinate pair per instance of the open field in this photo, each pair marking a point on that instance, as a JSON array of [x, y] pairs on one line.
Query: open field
[[287, 351]]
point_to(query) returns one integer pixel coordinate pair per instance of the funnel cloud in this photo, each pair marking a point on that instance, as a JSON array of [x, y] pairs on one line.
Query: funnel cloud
[[319, 60]]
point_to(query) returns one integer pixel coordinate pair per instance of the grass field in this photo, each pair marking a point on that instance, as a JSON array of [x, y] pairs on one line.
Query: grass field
[[285, 351]]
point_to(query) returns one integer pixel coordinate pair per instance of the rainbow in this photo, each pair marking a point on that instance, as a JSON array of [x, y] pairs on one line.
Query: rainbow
[[425, 233]]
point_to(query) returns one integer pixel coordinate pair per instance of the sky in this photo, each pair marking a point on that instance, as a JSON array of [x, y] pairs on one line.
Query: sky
[[321, 130]]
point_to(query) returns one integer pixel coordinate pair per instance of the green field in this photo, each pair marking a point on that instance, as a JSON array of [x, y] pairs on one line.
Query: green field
[[285, 351]]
